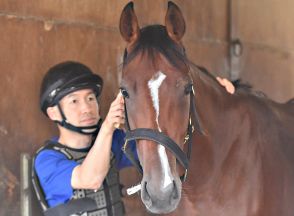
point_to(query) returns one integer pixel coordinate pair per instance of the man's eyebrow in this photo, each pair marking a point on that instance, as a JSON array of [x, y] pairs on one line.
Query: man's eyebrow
[[71, 95], [75, 94]]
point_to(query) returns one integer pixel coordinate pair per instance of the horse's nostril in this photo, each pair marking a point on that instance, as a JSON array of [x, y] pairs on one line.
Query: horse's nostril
[[175, 193], [146, 191], [145, 195], [168, 193]]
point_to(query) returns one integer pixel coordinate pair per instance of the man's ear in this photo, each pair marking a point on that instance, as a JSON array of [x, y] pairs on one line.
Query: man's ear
[[53, 113]]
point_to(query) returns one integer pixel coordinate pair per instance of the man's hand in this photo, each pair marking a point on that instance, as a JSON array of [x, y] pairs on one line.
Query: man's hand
[[116, 113], [227, 84]]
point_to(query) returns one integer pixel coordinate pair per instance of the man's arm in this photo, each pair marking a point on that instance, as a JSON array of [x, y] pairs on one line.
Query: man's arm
[[91, 173]]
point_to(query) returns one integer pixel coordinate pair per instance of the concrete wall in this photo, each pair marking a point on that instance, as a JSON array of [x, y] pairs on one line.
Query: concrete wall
[[265, 28], [37, 34]]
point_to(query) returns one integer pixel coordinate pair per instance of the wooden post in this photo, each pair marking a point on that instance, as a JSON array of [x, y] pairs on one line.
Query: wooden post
[[25, 185]]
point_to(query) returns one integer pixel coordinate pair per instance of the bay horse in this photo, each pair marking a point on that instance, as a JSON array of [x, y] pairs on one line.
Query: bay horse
[[242, 160]]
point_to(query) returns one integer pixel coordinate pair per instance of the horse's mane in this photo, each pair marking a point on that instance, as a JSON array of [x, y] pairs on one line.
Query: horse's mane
[[240, 86]]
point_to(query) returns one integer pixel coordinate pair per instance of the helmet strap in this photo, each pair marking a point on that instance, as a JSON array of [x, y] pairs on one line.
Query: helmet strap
[[87, 130]]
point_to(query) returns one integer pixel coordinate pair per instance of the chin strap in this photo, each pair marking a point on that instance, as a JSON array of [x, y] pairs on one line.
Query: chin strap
[[88, 130]]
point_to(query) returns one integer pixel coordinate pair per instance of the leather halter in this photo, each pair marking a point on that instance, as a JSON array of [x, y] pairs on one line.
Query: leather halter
[[161, 138]]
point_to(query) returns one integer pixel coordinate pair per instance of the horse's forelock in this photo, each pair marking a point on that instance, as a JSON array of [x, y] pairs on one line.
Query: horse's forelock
[[154, 38]]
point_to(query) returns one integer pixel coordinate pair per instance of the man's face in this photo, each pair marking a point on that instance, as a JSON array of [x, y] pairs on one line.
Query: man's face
[[81, 108]]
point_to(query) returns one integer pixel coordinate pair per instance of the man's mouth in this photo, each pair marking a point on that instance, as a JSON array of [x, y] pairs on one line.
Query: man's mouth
[[89, 121]]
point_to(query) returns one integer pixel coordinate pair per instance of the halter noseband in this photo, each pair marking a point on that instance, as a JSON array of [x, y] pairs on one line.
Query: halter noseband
[[161, 138]]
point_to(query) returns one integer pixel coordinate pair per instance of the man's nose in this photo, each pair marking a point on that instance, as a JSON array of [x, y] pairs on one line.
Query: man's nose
[[85, 106]]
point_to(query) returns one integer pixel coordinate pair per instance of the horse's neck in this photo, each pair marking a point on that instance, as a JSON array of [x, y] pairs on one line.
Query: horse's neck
[[234, 159], [211, 101], [221, 151], [222, 122]]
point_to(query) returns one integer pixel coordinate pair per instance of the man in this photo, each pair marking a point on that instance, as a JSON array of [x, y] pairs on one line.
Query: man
[[80, 166], [76, 163]]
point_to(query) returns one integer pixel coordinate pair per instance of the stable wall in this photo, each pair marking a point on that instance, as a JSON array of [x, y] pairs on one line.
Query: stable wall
[[265, 28]]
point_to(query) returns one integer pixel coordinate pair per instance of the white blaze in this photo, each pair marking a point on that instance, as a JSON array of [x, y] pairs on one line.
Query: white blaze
[[154, 83], [165, 166]]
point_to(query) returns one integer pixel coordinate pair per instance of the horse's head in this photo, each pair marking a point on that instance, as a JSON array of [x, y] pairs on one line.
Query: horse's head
[[156, 83]]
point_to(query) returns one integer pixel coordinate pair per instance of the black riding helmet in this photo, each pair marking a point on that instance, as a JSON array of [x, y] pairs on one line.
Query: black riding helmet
[[65, 78]]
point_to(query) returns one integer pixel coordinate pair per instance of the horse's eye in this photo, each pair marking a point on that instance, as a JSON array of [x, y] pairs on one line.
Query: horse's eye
[[124, 93]]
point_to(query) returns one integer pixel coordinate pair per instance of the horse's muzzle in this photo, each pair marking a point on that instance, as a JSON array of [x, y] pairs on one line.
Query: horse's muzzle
[[161, 200]]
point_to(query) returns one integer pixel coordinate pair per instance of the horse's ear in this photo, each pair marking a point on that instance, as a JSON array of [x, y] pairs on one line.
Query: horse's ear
[[128, 24], [174, 22]]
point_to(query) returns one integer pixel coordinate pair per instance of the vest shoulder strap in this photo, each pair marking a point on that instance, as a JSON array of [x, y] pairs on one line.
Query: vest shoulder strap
[[34, 178]]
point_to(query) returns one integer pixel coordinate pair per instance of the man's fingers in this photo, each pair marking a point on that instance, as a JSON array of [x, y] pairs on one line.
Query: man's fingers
[[119, 98], [116, 114], [119, 101], [119, 121], [227, 84], [219, 79]]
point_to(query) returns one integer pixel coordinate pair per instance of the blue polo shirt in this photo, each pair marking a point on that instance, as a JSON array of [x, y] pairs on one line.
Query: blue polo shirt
[[54, 170]]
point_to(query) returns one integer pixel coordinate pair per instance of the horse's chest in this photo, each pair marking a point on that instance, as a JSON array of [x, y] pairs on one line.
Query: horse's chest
[[224, 201]]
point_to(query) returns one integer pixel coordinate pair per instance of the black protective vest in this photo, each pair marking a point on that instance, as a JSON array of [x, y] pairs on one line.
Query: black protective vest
[[106, 201]]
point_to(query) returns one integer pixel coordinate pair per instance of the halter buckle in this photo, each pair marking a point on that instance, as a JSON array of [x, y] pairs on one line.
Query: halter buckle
[[186, 138], [184, 177], [190, 121], [193, 91], [125, 146]]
